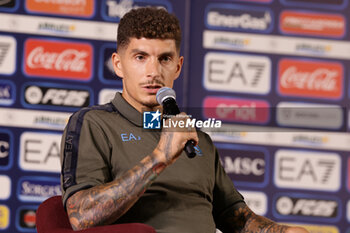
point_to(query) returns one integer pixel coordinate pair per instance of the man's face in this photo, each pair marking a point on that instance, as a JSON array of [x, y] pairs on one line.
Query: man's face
[[145, 65]]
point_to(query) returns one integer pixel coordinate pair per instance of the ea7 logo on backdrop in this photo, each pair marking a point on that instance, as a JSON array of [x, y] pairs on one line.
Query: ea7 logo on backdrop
[[38, 189], [77, 8], [311, 170], [237, 17], [113, 10], [310, 78], [58, 59], [40, 152], [7, 92], [42, 95], [151, 120], [26, 218], [312, 23], [294, 206], [237, 73], [245, 166]]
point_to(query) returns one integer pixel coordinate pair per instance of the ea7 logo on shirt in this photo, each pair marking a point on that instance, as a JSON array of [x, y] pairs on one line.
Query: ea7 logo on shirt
[[151, 120], [313, 208], [42, 95], [40, 152], [309, 170], [237, 73]]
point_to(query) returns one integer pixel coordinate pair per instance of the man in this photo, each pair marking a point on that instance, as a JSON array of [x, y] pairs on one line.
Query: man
[[113, 171]]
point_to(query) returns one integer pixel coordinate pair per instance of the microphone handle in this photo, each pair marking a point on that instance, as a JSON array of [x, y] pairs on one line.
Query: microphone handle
[[170, 108]]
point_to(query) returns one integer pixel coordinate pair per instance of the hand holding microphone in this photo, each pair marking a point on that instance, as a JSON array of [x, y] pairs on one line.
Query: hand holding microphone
[[167, 98]]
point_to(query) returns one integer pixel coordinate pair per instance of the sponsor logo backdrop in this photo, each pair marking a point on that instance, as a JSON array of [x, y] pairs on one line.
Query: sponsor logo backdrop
[[274, 71]]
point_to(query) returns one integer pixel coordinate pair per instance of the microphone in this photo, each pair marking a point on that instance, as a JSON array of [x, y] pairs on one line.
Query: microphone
[[167, 98]]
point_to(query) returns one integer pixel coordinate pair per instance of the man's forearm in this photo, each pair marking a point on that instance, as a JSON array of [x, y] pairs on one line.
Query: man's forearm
[[104, 204], [246, 221]]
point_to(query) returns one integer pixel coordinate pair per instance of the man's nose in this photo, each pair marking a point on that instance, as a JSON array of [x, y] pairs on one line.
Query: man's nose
[[153, 68]]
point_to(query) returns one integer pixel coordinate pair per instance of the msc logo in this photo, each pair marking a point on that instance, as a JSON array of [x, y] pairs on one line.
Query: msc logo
[[58, 59], [229, 16], [5, 150], [310, 78], [310, 170], [237, 73], [75, 8], [4, 217], [245, 166], [151, 120], [40, 152], [237, 110], [43, 95], [114, 9], [312, 23], [37, 188], [294, 206], [106, 95]]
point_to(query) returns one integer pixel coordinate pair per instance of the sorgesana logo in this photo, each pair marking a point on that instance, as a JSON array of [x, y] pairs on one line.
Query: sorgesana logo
[[58, 59], [246, 166], [48, 95], [240, 18], [310, 170], [38, 189], [297, 206]]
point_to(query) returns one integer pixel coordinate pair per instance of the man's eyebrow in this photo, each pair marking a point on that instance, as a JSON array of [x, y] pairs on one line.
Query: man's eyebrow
[[138, 51], [167, 54]]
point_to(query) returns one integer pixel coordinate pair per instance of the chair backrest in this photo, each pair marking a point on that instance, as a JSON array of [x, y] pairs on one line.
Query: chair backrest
[[51, 215], [52, 218]]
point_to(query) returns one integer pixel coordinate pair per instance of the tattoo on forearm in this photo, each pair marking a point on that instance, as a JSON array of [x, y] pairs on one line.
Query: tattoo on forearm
[[104, 204], [245, 221]]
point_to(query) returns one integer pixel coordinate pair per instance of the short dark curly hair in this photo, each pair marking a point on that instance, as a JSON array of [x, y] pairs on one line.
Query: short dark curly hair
[[150, 23]]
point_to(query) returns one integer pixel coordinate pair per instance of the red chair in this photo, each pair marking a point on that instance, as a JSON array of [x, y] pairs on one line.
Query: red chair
[[52, 218]]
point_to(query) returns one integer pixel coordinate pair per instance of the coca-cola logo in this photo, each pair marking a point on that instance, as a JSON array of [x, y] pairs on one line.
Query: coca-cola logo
[[58, 59], [310, 78]]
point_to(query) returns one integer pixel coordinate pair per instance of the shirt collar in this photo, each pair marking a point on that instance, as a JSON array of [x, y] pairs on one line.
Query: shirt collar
[[128, 111]]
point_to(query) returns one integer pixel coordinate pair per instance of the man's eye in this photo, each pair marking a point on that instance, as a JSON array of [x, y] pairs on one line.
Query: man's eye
[[165, 59], [139, 57]]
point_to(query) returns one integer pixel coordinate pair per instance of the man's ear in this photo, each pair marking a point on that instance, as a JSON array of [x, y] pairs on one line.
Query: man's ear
[[117, 65], [179, 67]]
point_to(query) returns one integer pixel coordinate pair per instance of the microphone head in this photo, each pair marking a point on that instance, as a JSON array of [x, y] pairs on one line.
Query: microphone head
[[164, 93]]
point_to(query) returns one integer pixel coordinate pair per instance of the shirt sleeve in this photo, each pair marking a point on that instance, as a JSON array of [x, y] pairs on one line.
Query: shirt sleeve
[[84, 156], [225, 194]]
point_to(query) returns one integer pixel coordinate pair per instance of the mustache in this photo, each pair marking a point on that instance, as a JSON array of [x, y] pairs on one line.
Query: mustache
[[152, 82]]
